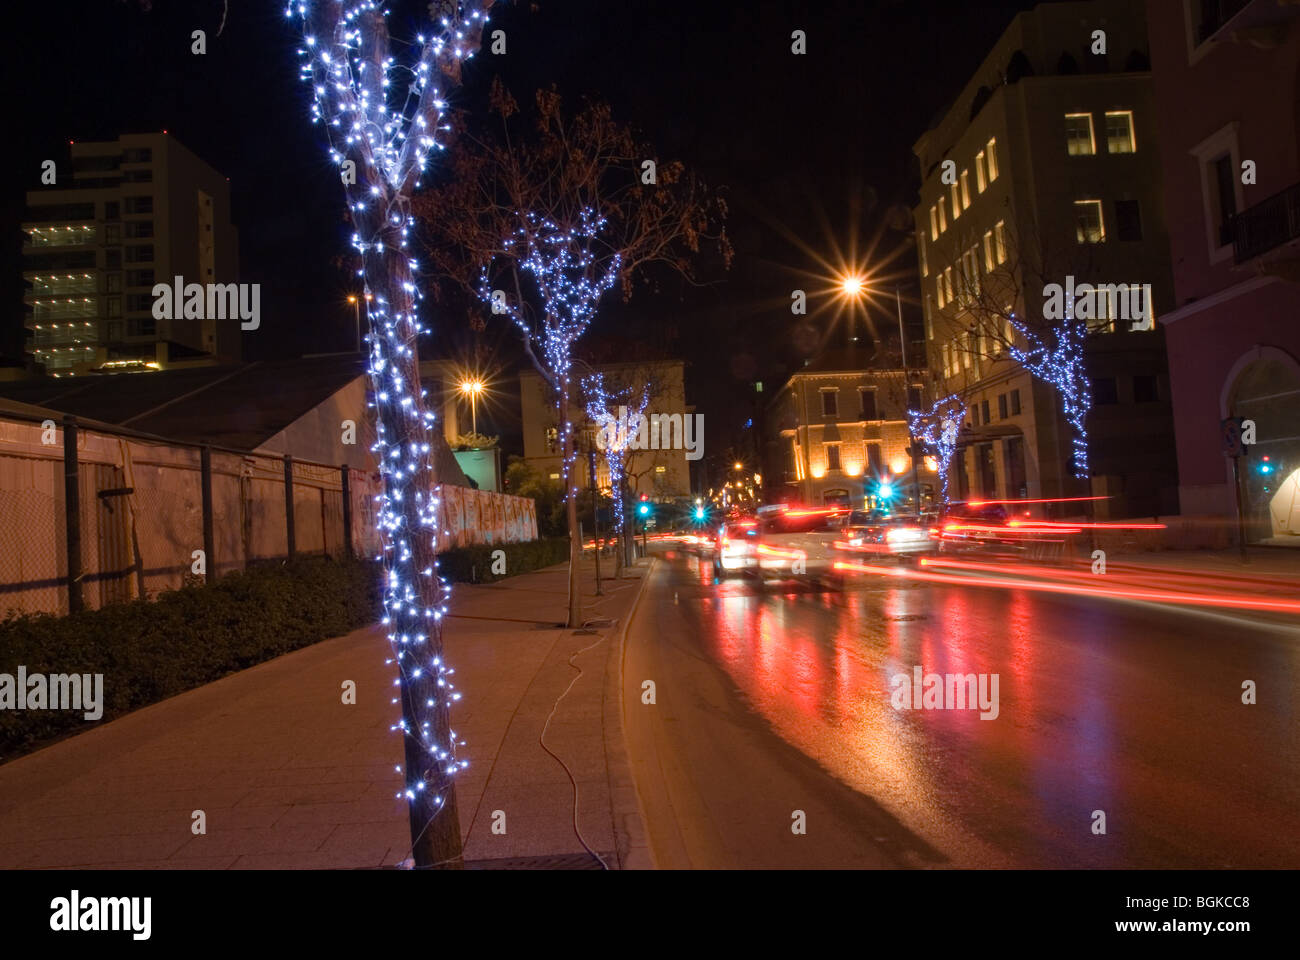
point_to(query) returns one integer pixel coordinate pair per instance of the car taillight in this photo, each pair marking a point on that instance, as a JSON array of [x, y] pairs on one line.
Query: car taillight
[[903, 533]]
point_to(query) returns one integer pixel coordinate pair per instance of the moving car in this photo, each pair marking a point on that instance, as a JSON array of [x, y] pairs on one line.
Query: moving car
[[877, 534], [800, 542], [989, 529], [734, 548]]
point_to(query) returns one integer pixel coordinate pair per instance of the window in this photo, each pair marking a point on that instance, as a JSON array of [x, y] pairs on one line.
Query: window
[[914, 397], [984, 411], [938, 286], [832, 456], [947, 283], [1104, 391], [137, 155], [112, 210], [920, 248], [1144, 389], [980, 182], [1079, 139], [552, 437], [992, 153], [113, 233], [988, 251], [943, 220], [1119, 132], [1225, 197], [934, 224], [114, 306], [1002, 406], [142, 327], [138, 302], [956, 202], [139, 204], [868, 400], [140, 253], [830, 403], [139, 278], [965, 189], [113, 283], [947, 361], [661, 469], [974, 414], [969, 344], [1000, 241], [112, 259], [929, 317], [1088, 227], [137, 176], [138, 229], [1015, 403], [1128, 220]]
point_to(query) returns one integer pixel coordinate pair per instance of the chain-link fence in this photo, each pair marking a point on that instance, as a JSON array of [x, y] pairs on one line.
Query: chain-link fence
[[89, 517]]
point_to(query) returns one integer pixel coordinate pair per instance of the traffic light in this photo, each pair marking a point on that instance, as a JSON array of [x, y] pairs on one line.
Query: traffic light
[[884, 489], [1264, 466], [643, 508], [699, 513]]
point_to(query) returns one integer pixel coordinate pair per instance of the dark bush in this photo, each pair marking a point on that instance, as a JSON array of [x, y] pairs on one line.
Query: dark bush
[[474, 564], [151, 650]]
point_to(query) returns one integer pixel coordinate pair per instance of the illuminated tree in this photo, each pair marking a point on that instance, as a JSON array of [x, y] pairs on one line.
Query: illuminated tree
[[616, 414], [937, 429], [577, 203], [383, 122]]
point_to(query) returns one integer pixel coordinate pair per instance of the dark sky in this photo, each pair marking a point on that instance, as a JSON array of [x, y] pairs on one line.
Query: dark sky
[[812, 151]]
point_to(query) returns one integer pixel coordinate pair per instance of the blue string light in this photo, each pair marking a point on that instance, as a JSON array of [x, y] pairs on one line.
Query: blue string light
[[1062, 364], [603, 409], [937, 428]]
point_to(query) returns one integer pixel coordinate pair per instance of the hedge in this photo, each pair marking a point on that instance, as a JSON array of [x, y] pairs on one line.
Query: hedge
[[474, 564], [151, 650]]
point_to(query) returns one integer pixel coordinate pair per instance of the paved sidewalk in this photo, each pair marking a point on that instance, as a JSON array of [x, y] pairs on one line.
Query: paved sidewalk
[[1280, 563], [290, 777]]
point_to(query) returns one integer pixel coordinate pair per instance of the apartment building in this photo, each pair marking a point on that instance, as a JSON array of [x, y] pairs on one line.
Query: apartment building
[[1044, 171], [122, 216], [1227, 88], [663, 472], [843, 431]]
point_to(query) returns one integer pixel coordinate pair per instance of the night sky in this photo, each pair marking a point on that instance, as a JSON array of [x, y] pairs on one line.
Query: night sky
[[813, 153]]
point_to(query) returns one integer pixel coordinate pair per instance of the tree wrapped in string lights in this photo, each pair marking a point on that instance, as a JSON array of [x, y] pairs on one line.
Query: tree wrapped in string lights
[[1056, 356], [937, 428], [381, 146], [616, 417], [571, 269]]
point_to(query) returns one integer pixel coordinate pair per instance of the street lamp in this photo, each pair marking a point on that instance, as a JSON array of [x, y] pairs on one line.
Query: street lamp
[[472, 389], [356, 306]]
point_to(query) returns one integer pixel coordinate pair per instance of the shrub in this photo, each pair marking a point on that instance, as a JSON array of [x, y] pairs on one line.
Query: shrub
[[474, 564], [151, 650]]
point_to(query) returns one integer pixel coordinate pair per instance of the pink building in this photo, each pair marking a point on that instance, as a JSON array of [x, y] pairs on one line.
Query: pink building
[[1227, 85]]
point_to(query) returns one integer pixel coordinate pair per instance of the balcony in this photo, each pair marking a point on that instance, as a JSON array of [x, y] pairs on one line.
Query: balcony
[[1261, 22], [1267, 225]]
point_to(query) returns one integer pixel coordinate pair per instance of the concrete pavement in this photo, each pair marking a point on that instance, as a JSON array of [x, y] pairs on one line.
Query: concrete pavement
[[287, 776]]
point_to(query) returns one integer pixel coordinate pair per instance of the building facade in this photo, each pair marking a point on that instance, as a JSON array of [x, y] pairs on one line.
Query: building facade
[[125, 215], [1044, 171], [662, 472], [844, 435], [1227, 86]]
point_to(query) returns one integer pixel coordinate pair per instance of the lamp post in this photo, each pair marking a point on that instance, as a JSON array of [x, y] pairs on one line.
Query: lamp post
[[472, 389], [356, 307]]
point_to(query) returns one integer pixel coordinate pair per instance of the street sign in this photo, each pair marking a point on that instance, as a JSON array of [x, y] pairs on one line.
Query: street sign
[[1231, 429]]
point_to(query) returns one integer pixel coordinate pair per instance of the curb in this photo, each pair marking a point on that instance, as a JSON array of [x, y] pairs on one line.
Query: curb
[[626, 809]]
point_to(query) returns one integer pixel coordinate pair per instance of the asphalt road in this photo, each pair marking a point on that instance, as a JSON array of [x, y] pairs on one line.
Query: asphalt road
[[778, 700]]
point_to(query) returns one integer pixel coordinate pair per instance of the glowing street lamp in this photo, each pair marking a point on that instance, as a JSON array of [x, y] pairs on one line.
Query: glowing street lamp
[[472, 389]]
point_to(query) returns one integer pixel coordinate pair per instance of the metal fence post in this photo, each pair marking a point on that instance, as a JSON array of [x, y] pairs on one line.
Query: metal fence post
[[72, 511], [346, 472], [209, 549], [288, 503]]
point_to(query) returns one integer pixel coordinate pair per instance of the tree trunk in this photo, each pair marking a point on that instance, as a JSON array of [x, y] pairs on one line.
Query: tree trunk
[[413, 594], [571, 508]]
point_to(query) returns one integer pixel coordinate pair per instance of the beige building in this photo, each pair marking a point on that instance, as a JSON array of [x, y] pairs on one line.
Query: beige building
[[663, 473], [843, 429], [1045, 168], [123, 216]]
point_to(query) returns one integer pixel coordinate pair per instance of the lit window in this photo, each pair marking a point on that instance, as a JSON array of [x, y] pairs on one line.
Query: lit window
[[938, 289], [965, 356], [1119, 132], [947, 283], [980, 182], [956, 201], [988, 251], [992, 159], [1000, 241], [661, 469], [943, 220], [1079, 139], [920, 247], [934, 224], [947, 360], [1088, 223], [965, 189]]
